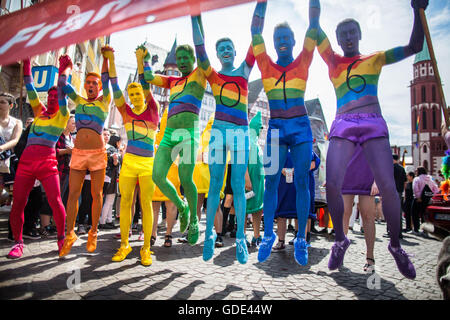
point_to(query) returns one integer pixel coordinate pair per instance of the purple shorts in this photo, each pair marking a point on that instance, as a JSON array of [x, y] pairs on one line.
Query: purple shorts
[[358, 177], [359, 127]]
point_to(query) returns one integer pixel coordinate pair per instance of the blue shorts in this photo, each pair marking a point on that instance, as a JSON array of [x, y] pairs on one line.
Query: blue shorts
[[289, 132]]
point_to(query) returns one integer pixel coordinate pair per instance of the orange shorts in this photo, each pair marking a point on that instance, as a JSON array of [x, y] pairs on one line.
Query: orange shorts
[[88, 159]]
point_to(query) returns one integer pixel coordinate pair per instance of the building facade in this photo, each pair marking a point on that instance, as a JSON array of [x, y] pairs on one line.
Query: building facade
[[428, 145]]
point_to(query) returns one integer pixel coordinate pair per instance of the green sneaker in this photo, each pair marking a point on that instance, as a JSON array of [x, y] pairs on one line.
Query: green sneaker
[[193, 233], [184, 218]]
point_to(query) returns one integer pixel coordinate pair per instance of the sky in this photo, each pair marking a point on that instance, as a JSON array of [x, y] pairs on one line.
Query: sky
[[384, 24]]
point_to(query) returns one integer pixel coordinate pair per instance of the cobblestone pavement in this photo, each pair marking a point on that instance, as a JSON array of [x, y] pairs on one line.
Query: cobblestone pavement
[[180, 272]]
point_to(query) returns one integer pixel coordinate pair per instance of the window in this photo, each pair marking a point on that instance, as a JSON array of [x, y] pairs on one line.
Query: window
[[433, 93], [425, 149], [414, 96], [424, 120], [424, 94], [434, 119]]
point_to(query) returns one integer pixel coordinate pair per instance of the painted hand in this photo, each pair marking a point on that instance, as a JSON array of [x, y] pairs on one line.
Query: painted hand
[[64, 63], [142, 53], [27, 67], [419, 4], [108, 52]]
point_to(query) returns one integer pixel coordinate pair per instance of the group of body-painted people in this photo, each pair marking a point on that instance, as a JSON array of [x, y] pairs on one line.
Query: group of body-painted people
[[359, 125]]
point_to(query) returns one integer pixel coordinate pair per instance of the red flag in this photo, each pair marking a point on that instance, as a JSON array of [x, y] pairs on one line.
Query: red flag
[[54, 24]]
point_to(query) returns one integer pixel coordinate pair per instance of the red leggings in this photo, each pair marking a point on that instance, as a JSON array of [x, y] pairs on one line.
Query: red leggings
[[37, 162]]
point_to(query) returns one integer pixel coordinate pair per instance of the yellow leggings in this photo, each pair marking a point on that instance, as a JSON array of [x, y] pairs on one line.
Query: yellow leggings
[[133, 169]]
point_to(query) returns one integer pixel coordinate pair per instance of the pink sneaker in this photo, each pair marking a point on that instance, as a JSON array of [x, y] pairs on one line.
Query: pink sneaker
[[16, 251], [118, 236], [141, 236]]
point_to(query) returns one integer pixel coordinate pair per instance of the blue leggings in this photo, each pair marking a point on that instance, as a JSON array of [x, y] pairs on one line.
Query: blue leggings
[[217, 172], [301, 157]]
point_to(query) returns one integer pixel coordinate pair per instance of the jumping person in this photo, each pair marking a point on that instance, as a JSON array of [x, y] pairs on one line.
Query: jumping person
[[89, 151], [359, 121], [38, 160], [140, 123], [229, 133], [289, 127], [181, 135]]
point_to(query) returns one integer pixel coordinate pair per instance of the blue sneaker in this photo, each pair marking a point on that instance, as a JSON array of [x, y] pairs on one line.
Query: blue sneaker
[[208, 247], [266, 247], [301, 251], [241, 250]]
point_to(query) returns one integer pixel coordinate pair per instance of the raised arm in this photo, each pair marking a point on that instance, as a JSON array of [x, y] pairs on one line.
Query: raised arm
[[417, 37], [64, 63], [247, 65], [199, 42], [105, 77], [156, 79], [141, 52], [310, 41], [108, 56], [323, 44], [36, 104], [65, 69], [258, 17]]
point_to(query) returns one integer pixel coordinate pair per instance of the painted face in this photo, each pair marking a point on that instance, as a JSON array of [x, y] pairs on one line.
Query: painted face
[[92, 85], [348, 37], [226, 53], [136, 96], [106, 136], [52, 101], [185, 62], [4, 105], [284, 42]]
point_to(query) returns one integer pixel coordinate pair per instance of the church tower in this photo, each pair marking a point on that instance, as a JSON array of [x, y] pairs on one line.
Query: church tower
[[428, 146]]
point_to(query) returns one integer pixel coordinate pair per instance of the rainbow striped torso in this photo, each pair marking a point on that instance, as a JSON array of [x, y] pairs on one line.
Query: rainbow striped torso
[[91, 114], [231, 95], [355, 79], [46, 129], [141, 129], [285, 86]]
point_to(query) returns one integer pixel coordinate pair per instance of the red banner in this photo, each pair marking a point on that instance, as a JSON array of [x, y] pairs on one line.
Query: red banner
[[54, 24]]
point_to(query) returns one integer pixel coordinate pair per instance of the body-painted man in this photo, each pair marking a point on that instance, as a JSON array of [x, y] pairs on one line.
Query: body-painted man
[[181, 135], [140, 123], [89, 151], [38, 161], [289, 127], [359, 121], [229, 133]]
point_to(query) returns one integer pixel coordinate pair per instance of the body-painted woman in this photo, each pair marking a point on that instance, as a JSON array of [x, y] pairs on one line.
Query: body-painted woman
[[359, 121], [182, 134], [289, 127], [140, 123], [229, 133], [38, 161], [89, 151]]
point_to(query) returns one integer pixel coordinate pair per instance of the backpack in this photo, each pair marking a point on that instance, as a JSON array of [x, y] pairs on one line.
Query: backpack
[[426, 195]]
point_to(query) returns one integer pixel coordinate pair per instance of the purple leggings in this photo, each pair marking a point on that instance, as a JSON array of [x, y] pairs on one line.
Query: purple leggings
[[379, 157]]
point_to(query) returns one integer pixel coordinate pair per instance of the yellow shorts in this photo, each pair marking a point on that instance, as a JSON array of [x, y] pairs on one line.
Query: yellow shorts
[[136, 166], [88, 159]]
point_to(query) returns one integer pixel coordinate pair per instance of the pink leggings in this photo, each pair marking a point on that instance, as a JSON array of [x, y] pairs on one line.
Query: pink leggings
[[22, 188], [37, 162]]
